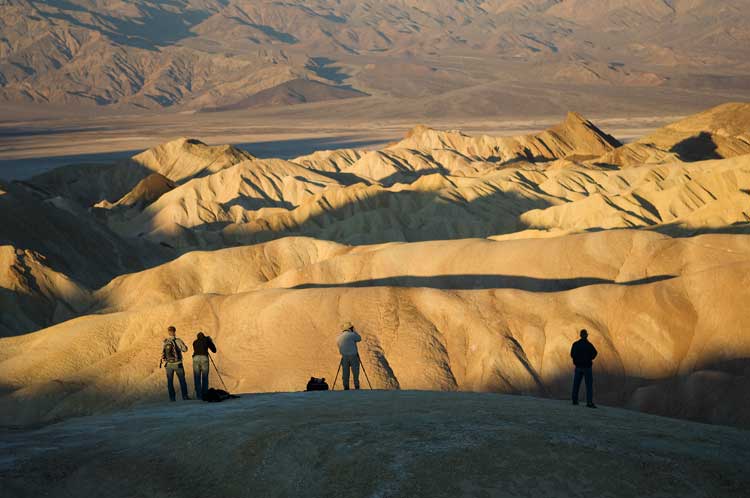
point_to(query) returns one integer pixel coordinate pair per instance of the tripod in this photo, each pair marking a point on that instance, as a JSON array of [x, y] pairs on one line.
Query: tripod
[[362, 365], [217, 372]]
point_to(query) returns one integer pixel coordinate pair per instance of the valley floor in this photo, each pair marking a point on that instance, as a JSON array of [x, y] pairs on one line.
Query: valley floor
[[375, 444]]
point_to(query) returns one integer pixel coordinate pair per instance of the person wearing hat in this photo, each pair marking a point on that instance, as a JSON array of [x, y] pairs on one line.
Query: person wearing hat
[[347, 343], [583, 354], [171, 356], [201, 346]]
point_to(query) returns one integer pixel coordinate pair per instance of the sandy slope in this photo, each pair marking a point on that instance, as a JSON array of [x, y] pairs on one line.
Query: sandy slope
[[179, 160], [622, 256], [376, 444], [671, 345], [37, 294], [720, 132]]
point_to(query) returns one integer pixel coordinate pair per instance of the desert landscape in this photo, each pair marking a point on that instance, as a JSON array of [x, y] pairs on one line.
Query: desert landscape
[[470, 184]]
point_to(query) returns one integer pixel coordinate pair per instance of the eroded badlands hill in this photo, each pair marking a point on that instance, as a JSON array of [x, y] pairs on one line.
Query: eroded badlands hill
[[469, 263], [435, 185], [467, 315]]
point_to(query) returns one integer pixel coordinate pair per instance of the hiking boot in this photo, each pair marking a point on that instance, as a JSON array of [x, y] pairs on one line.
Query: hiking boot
[[575, 403], [346, 388], [590, 405]]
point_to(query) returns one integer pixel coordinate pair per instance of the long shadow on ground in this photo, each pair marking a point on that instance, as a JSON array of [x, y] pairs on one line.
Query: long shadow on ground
[[476, 282]]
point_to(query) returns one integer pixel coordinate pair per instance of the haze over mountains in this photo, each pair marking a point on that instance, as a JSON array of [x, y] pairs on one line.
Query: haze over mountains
[[469, 263], [463, 58]]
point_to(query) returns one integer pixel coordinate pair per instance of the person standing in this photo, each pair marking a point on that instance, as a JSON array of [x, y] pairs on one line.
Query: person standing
[[201, 346], [583, 354], [347, 343], [171, 356]]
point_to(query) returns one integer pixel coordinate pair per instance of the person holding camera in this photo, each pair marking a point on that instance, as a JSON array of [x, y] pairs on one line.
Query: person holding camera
[[201, 346], [347, 343]]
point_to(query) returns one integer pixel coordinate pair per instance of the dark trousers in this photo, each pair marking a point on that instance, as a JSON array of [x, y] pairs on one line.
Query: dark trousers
[[583, 373], [171, 369], [200, 375], [350, 362]]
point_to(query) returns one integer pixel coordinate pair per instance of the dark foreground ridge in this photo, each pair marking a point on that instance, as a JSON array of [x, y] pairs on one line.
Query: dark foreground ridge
[[375, 444]]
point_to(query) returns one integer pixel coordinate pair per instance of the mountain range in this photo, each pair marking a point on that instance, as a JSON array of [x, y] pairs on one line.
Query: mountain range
[[244, 54]]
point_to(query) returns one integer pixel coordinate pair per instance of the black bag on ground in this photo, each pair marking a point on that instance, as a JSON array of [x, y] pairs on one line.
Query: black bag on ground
[[316, 384], [216, 395]]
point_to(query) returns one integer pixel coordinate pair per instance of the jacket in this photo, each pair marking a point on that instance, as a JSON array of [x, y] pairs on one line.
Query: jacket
[[202, 345], [347, 343], [583, 353]]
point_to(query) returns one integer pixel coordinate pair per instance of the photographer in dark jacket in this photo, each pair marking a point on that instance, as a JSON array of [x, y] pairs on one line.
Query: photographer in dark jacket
[[201, 347], [583, 354]]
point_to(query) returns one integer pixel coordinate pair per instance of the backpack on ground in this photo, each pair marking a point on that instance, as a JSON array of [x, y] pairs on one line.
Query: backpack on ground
[[217, 395], [316, 384]]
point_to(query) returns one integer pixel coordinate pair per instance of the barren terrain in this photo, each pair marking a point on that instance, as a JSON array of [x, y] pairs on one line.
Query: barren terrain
[[376, 444], [469, 262], [379, 59]]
